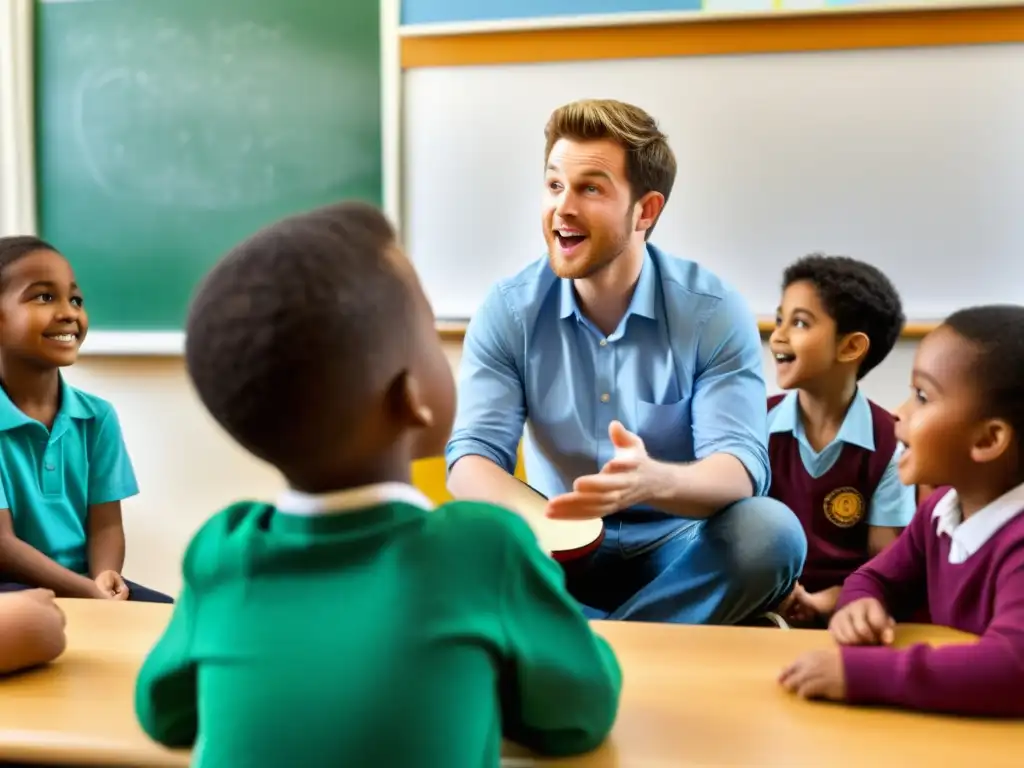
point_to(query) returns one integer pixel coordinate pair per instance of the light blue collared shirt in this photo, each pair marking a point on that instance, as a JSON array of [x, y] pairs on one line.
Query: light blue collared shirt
[[893, 503], [683, 370]]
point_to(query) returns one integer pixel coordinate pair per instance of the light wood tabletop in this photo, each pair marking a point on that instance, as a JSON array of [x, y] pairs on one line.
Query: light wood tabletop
[[693, 696], [80, 710]]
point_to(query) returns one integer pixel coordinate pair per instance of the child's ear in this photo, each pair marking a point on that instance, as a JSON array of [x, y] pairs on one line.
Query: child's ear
[[853, 347], [407, 404], [992, 439]]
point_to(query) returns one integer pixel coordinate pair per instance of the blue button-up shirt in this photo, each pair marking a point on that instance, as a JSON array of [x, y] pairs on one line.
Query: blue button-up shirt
[[683, 370], [893, 503]]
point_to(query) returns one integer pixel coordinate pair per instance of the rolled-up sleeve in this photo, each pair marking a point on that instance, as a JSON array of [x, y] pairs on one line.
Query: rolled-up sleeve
[[728, 408], [492, 403]]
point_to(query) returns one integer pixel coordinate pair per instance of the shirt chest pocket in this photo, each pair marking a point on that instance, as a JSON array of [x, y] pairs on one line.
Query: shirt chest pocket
[[665, 429]]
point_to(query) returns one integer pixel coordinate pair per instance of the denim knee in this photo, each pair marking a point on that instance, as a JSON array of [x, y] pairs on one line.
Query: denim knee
[[768, 545]]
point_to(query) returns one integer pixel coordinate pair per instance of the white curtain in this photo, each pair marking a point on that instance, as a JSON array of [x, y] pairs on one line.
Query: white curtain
[[17, 138]]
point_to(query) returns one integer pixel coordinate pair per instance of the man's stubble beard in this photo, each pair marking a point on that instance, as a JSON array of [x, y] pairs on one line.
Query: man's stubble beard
[[599, 259]]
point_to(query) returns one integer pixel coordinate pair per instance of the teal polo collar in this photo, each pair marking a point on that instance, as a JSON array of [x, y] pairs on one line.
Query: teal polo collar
[[72, 406]]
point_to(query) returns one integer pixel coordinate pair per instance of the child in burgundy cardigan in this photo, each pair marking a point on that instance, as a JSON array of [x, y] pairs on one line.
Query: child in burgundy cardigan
[[833, 452], [962, 557]]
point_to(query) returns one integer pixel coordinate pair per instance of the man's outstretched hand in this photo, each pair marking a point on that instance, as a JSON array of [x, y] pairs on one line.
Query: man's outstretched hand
[[623, 482]]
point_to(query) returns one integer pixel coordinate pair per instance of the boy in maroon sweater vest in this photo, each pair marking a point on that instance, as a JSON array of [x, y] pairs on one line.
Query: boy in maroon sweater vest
[[962, 558], [833, 452]]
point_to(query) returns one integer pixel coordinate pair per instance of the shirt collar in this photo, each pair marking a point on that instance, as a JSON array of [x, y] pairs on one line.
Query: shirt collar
[[645, 296], [857, 428], [968, 536], [351, 500], [72, 405]]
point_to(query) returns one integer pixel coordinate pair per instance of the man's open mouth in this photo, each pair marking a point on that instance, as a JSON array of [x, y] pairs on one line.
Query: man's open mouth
[[568, 239]]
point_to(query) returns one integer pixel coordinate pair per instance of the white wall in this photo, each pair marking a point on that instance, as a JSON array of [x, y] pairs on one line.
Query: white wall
[[188, 469], [900, 157]]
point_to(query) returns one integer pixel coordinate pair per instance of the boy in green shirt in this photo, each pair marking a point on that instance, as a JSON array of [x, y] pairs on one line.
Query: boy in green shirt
[[349, 623]]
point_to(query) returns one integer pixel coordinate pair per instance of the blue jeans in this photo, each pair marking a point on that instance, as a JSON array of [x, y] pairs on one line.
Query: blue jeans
[[136, 592], [723, 570]]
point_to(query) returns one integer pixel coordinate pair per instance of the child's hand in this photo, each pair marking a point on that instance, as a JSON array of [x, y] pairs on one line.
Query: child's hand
[[863, 622], [803, 607], [44, 597], [792, 608], [31, 629], [816, 675], [112, 586], [47, 597]]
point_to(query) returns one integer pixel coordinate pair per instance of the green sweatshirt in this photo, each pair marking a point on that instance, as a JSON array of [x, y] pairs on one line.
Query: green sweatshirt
[[384, 636]]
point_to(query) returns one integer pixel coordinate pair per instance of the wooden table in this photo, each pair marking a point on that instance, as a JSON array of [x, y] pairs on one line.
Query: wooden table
[[80, 709], [708, 697], [694, 696]]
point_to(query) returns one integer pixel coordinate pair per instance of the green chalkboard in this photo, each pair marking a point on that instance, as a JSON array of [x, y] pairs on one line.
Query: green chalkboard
[[168, 130]]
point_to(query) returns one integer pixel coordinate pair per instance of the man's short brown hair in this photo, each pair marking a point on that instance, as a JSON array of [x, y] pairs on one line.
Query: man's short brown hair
[[650, 163]]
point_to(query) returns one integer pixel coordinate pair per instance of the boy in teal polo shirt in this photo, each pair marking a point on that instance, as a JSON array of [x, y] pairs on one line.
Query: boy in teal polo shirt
[[349, 623], [64, 469]]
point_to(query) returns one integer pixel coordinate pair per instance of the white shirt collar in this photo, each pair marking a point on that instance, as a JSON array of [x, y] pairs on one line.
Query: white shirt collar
[[293, 502], [969, 536]]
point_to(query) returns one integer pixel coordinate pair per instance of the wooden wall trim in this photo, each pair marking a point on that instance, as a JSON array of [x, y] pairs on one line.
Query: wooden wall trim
[[456, 330], [779, 33]]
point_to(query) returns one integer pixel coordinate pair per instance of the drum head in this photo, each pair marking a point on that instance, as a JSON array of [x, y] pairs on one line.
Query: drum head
[[568, 539], [563, 539]]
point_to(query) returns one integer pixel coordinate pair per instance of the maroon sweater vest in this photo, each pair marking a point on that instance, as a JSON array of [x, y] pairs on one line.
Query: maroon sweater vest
[[833, 508]]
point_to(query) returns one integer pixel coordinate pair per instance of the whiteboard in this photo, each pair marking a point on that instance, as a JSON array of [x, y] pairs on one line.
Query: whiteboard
[[911, 159]]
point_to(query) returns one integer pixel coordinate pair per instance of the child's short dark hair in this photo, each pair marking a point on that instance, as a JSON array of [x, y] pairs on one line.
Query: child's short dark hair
[[291, 332], [996, 331], [17, 247], [858, 297]]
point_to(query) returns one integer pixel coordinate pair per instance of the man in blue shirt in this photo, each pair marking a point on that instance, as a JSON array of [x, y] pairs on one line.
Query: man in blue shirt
[[641, 380]]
